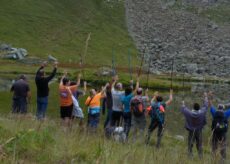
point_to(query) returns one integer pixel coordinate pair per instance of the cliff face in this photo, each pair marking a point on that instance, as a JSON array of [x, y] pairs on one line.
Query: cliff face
[[166, 29]]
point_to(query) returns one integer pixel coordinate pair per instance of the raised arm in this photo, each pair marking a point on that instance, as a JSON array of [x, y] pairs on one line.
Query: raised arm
[[212, 110], [114, 80], [154, 97], [169, 101], [79, 79], [50, 77], [63, 76], [137, 86]]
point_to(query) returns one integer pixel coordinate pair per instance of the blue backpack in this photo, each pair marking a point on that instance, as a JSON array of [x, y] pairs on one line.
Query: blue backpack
[[156, 114]]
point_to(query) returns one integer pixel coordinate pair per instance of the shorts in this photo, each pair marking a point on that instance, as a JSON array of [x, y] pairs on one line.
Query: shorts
[[66, 111]]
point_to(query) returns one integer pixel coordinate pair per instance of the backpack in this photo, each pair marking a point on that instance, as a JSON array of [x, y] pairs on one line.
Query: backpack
[[219, 122], [137, 107], [157, 112]]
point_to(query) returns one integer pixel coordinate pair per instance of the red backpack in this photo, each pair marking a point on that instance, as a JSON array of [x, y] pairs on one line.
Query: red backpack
[[137, 107]]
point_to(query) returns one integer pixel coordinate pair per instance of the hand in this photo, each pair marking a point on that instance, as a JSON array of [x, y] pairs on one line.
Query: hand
[[115, 78], [65, 73], [55, 64], [85, 83], [183, 103], [79, 76], [44, 64], [205, 94], [156, 94]]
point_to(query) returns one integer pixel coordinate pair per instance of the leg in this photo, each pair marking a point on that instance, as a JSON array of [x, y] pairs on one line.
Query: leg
[[159, 134], [108, 117], [223, 146], [39, 108], [23, 105], [190, 142], [15, 105], [198, 137], [214, 145], [151, 128]]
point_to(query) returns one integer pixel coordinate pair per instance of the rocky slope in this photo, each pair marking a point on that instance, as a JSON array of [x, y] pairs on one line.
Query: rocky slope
[[163, 32]]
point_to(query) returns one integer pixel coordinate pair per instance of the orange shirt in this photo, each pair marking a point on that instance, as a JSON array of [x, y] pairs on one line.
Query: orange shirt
[[65, 96], [95, 102]]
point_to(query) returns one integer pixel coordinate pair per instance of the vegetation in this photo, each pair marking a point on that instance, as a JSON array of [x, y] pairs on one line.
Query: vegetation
[[61, 27]]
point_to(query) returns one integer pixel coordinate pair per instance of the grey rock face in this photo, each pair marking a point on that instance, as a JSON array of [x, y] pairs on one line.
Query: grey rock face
[[161, 33]]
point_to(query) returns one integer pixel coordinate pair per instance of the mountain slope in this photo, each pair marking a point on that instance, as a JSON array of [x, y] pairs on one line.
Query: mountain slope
[[61, 27]]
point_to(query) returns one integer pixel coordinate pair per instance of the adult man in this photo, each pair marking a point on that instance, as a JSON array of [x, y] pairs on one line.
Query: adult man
[[219, 129], [138, 105], [157, 114], [43, 89], [195, 121], [117, 112], [21, 95]]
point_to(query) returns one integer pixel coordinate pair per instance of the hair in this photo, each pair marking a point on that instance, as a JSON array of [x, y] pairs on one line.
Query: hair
[[73, 83], [139, 91], [23, 77], [196, 106], [220, 107], [128, 91], [118, 86], [159, 99], [65, 81], [41, 72]]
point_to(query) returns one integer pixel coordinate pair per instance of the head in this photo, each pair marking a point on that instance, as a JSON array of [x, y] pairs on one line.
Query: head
[[41, 73], [139, 91], [66, 81], [128, 91], [118, 86], [220, 107], [23, 77], [196, 106], [92, 92], [159, 99], [73, 83]]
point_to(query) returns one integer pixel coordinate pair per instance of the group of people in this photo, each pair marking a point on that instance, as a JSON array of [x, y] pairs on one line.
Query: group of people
[[128, 108]]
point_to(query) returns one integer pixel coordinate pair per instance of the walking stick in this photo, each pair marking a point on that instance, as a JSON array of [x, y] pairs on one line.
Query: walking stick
[[130, 68], [172, 73], [113, 63], [147, 84], [140, 68]]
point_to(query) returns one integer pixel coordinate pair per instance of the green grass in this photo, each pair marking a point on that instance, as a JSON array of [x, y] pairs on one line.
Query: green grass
[[47, 142], [61, 27]]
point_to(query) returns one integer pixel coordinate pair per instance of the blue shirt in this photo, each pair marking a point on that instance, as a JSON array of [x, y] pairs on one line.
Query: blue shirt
[[126, 102], [226, 113]]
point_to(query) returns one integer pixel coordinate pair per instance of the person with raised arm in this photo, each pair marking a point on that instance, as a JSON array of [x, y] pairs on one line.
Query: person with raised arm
[[157, 115], [219, 127], [42, 83], [93, 102], [126, 99], [195, 120], [66, 102]]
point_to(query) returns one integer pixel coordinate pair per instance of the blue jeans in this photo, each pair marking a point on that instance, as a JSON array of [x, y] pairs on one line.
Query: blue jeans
[[93, 120], [42, 103], [19, 105]]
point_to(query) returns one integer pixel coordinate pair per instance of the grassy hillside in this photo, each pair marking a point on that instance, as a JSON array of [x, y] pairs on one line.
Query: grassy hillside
[[61, 27]]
